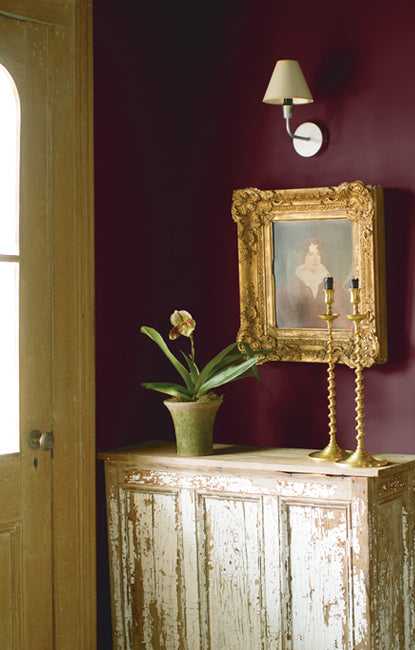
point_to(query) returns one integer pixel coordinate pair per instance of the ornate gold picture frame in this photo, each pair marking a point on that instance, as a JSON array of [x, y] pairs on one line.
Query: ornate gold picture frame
[[344, 226]]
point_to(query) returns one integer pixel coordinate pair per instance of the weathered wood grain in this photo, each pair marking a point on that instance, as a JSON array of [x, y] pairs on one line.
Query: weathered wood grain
[[225, 556], [231, 581], [11, 590], [317, 569]]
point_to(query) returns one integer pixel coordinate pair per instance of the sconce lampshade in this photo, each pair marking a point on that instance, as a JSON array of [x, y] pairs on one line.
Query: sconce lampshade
[[287, 82]]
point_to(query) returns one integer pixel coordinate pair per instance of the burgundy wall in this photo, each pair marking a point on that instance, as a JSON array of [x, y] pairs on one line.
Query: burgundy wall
[[180, 123]]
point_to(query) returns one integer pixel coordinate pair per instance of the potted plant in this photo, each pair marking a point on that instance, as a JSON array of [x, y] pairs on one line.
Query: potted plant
[[193, 404]]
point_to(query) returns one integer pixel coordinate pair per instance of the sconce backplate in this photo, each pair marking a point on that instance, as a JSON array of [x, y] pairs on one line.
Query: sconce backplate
[[308, 148]]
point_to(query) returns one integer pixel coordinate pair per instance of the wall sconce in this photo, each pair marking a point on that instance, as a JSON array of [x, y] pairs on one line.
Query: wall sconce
[[287, 86]]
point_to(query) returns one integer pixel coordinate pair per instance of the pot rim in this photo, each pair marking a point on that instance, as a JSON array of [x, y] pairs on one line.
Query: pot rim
[[201, 402]]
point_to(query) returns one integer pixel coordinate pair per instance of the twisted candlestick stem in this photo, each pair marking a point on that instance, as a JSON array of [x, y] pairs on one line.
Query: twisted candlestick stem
[[331, 384], [360, 420], [332, 452], [360, 457]]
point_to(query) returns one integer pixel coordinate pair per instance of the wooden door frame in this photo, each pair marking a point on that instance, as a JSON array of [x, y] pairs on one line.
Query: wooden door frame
[[74, 345], [69, 52]]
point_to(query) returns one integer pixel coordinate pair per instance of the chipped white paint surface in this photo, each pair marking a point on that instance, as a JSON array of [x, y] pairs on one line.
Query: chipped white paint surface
[[190, 564], [317, 569], [232, 575], [226, 556]]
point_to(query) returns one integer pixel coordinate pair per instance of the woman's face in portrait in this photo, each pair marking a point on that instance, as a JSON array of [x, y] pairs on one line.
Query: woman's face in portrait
[[312, 258]]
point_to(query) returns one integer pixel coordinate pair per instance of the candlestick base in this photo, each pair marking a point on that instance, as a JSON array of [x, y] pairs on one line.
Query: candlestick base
[[360, 458], [332, 452]]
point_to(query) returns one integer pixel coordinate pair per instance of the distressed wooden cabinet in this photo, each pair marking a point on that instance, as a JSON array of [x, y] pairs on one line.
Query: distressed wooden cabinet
[[254, 548]]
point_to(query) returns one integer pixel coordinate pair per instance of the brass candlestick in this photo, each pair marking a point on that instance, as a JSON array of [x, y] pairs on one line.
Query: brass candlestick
[[360, 457], [333, 451]]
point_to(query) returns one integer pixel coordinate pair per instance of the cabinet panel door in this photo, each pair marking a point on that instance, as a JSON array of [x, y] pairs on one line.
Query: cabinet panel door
[[389, 581], [316, 578], [151, 571], [231, 569]]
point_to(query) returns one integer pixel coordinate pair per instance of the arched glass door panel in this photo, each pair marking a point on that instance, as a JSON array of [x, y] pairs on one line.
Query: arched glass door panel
[[9, 263]]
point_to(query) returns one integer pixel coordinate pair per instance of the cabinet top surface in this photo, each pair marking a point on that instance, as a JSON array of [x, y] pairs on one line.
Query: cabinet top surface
[[234, 457]]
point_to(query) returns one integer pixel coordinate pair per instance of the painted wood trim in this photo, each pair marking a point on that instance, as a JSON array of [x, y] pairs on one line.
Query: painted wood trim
[[114, 505], [48, 12], [85, 268], [36, 342], [74, 342]]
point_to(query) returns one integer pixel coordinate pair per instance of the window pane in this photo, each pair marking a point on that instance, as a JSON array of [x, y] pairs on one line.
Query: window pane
[[9, 269], [9, 355], [9, 164]]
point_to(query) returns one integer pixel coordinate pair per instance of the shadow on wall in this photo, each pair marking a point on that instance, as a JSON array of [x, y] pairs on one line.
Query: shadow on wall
[[336, 77], [399, 232]]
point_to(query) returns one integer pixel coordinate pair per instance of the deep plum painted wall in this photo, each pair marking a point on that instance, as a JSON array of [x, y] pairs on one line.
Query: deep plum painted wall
[[180, 123]]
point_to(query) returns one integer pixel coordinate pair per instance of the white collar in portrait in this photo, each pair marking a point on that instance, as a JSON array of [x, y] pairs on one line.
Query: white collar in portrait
[[312, 279]]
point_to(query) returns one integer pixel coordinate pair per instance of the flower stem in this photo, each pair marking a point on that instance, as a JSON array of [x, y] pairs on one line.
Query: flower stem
[[192, 347]]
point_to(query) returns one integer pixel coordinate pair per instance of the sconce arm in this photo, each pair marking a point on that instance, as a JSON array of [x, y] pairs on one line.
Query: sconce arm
[[287, 110]]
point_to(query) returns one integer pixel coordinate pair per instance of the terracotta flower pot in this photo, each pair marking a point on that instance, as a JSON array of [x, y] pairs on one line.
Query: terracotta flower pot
[[193, 425]]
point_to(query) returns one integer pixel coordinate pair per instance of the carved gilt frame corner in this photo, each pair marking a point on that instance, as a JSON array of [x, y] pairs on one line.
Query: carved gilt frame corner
[[255, 213]]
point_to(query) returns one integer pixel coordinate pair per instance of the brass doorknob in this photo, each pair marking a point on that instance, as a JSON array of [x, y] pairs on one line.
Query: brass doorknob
[[39, 440]]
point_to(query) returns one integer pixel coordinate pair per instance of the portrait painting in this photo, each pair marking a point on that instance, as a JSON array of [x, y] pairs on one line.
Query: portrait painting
[[289, 241], [305, 253]]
